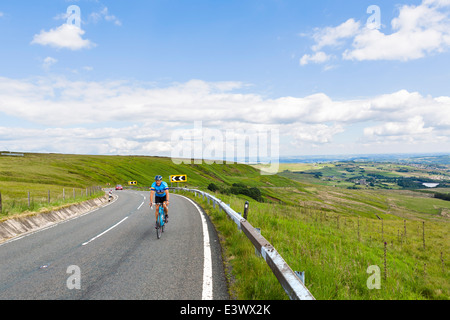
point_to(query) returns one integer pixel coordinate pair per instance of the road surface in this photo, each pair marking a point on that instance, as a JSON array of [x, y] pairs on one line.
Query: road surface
[[113, 253]]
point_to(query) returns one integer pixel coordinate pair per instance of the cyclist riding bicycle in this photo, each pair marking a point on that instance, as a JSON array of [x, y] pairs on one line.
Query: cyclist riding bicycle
[[160, 191]]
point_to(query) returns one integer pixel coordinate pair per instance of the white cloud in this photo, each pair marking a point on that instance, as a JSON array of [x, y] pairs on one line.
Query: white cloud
[[316, 133], [333, 36], [66, 37], [104, 14], [48, 62], [318, 57], [85, 140], [411, 127], [316, 119], [330, 37], [58, 100], [418, 31]]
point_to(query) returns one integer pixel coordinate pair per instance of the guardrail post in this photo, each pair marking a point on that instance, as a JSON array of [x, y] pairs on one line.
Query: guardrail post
[[246, 210], [301, 276]]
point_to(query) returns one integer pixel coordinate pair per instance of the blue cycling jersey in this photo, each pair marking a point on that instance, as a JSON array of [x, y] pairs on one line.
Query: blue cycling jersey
[[160, 191]]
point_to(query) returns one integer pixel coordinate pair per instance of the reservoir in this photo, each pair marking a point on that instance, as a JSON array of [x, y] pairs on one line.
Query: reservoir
[[430, 185]]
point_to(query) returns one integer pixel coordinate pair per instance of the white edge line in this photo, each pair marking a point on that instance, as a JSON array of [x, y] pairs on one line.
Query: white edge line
[[207, 293]]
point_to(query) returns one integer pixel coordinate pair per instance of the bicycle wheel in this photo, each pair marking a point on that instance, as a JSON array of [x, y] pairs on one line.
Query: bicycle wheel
[[158, 230]]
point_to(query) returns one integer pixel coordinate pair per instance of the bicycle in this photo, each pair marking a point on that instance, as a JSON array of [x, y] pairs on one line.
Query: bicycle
[[161, 222]]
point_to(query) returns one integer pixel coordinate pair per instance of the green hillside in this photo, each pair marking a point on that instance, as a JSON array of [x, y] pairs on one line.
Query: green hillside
[[85, 170], [41, 174]]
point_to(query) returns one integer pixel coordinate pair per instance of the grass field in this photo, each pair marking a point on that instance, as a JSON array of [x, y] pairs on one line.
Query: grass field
[[365, 175], [334, 234], [21, 197], [335, 251]]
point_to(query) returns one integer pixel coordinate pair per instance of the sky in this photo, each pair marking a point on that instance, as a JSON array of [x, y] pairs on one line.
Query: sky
[[126, 77]]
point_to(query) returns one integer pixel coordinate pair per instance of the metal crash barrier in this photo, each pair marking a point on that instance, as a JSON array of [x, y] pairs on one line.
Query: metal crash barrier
[[291, 283]]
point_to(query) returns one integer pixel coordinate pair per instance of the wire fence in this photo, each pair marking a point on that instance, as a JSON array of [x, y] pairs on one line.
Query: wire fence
[[13, 201], [291, 281]]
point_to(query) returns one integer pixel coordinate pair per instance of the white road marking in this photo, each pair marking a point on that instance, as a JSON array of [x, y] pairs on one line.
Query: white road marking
[[207, 292], [29, 233], [101, 234]]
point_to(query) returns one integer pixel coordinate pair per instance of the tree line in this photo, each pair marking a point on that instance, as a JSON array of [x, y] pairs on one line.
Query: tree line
[[238, 188], [443, 196]]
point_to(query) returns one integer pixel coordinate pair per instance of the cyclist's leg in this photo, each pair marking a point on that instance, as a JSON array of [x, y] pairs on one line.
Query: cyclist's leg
[[166, 210], [157, 205], [157, 211]]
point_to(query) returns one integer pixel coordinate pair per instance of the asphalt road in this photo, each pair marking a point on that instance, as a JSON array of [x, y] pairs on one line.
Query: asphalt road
[[113, 253]]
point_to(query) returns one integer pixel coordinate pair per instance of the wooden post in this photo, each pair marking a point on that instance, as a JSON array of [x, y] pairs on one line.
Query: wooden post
[[29, 202], [0, 202], [49, 196], [423, 234]]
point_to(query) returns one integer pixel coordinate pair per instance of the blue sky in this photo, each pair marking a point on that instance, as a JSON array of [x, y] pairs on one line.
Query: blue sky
[[311, 69]]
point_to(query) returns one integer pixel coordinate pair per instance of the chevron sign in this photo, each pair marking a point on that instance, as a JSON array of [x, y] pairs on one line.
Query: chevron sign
[[178, 178]]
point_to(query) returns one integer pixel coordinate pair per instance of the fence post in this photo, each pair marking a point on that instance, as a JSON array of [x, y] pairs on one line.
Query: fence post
[[0, 202], [48, 196], [29, 202]]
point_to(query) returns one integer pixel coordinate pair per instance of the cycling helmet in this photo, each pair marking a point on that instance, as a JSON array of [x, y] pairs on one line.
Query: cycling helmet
[[158, 178]]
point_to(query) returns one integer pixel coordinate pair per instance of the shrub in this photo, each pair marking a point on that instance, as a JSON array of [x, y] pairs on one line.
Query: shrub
[[212, 187]]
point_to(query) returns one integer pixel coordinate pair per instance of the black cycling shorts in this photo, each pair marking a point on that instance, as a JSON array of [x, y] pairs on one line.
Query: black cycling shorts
[[160, 199]]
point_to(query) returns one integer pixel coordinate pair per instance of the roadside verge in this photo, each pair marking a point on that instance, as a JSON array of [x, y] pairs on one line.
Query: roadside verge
[[35, 221]]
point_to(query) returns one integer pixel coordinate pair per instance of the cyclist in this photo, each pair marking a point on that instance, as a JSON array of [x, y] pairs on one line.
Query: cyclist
[[160, 191]]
